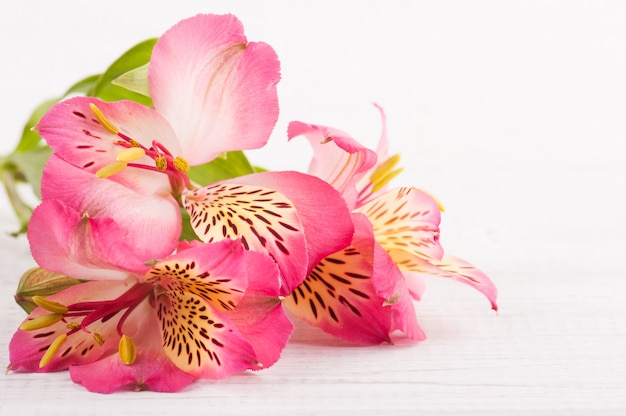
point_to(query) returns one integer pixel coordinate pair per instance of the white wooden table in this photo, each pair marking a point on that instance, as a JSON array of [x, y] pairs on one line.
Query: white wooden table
[[513, 116]]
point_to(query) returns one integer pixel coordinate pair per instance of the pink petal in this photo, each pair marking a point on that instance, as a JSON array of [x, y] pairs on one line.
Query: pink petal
[[226, 330], [216, 272], [263, 205], [406, 220], [216, 89], [337, 158], [152, 369], [64, 241], [264, 324], [260, 218], [382, 153], [260, 316], [458, 269], [201, 340], [72, 131], [340, 296], [134, 216], [28, 347]]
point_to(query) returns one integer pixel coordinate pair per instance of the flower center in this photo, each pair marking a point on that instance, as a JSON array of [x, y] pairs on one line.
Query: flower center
[[79, 316], [175, 167]]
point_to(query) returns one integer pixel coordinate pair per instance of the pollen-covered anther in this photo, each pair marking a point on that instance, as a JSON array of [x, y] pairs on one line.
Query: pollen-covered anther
[[160, 163], [98, 338], [111, 169], [102, 119], [181, 164], [41, 322], [49, 305], [130, 154], [52, 350], [127, 350]]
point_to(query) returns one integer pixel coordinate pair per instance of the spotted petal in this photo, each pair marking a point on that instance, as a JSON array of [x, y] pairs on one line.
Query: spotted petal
[[453, 268], [216, 89], [71, 129], [406, 220], [274, 212], [199, 286], [340, 297], [337, 158]]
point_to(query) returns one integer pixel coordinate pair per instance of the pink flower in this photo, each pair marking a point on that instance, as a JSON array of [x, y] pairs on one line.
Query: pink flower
[[213, 91], [405, 226], [208, 311]]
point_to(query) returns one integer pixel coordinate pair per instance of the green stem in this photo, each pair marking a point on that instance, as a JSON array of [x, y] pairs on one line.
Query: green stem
[[10, 178]]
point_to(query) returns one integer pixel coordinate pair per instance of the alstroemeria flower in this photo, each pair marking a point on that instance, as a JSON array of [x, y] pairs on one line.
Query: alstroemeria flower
[[208, 311], [212, 90], [405, 221]]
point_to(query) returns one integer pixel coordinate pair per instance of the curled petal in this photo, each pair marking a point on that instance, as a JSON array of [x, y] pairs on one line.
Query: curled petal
[[211, 84], [337, 158], [448, 267], [406, 220]]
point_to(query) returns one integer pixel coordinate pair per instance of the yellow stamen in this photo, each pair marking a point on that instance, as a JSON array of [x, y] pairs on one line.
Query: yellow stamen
[[52, 349], [382, 182], [130, 154], [102, 119], [181, 164], [49, 305], [127, 350], [384, 168], [161, 163], [41, 322], [73, 326], [98, 338], [110, 170]]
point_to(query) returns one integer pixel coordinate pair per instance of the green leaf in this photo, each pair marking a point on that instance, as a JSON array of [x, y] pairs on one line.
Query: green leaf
[[187, 233], [229, 165], [135, 57], [84, 85], [30, 164], [31, 138], [135, 80]]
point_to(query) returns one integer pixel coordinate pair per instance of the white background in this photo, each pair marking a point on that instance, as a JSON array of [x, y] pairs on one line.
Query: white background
[[511, 113]]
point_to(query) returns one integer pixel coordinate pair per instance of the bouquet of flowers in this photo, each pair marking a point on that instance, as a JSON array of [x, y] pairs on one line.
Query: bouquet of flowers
[[165, 256]]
